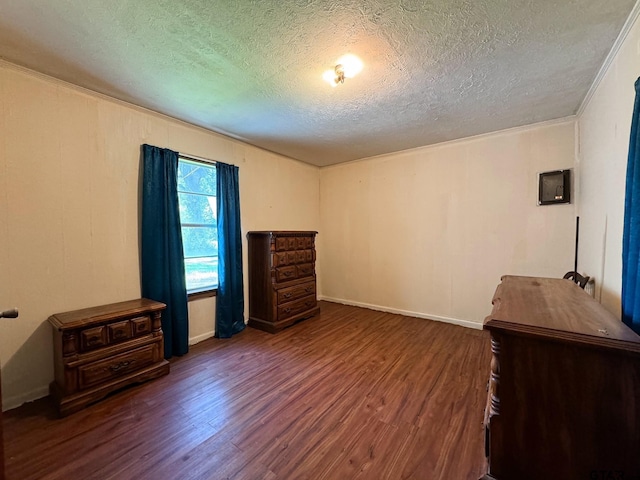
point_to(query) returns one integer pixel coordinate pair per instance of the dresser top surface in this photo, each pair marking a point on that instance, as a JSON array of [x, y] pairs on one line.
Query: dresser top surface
[[103, 313], [556, 308]]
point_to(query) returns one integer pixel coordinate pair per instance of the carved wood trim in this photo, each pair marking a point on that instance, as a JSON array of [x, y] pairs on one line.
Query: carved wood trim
[[494, 386], [69, 344], [156, 324]]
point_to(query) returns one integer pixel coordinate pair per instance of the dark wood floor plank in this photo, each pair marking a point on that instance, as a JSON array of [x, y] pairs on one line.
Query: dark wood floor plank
[[350, 393]]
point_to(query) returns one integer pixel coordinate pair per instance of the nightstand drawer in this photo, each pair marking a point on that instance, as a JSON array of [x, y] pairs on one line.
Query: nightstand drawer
[[114, 367]]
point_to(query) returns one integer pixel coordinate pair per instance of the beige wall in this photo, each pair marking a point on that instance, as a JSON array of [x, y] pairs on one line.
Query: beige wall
[[603, 130], [430, 231], [69, 170]]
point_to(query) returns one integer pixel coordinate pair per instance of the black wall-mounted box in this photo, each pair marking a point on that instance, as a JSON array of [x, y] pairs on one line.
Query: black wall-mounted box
[[554, 187]]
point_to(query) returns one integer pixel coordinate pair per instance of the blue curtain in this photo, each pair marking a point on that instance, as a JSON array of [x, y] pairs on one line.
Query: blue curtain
[[162, 260], [631, 233], [230, 297]]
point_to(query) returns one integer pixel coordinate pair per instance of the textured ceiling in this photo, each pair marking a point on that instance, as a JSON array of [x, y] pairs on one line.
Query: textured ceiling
[[433, 70]]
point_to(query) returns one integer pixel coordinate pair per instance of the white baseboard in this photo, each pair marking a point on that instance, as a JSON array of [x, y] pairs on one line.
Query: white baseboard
[[9, 403], [407, 313], [199, 338]]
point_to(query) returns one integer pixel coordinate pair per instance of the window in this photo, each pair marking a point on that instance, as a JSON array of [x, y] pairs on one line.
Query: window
[[197, 201]]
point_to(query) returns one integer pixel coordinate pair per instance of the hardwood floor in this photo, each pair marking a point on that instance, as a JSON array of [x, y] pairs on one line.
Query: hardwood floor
[[348, 394]]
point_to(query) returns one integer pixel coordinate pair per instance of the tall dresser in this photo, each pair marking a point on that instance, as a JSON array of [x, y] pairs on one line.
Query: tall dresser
[[282, 278], [564, 390]]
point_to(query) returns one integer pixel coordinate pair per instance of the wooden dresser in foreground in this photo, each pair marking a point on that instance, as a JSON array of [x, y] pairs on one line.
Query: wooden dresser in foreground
[[282, 278], [101, 349], [564, 391]]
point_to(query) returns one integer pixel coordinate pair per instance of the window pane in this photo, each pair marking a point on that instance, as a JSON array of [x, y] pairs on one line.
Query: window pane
[[197, 208], [196, 177], [201, 273], [199, 241], [196, 197]]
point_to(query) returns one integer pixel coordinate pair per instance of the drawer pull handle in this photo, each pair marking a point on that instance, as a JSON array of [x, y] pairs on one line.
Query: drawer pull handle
[[93, 340], [141, 326], [287, 295], [119, 334], [121, 365], [308, 289], [287, 310], [288, 273]]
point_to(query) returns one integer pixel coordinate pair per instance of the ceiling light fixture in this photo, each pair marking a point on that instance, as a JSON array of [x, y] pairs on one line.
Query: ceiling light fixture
[[348, 67], [339, 74]]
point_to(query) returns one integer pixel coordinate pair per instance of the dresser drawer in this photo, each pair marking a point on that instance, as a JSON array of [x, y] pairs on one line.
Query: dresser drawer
[[293, 293], [91, 338], [119, 331], [284, 274], [141, 325], [305, 270], [281, 243], [114, 367], [305, 256], [279, 259], [286, 243], [298, 306]]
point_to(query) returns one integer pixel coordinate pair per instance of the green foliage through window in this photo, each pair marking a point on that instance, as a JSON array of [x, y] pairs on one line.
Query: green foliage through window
[[197, 201]]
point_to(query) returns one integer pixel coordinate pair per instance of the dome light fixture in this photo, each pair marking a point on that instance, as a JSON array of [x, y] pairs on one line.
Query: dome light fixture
[[348, 67]]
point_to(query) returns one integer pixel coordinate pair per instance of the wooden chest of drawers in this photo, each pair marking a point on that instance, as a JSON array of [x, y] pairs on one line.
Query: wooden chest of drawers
[[101, 349], [282, 278], [564, 390]]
